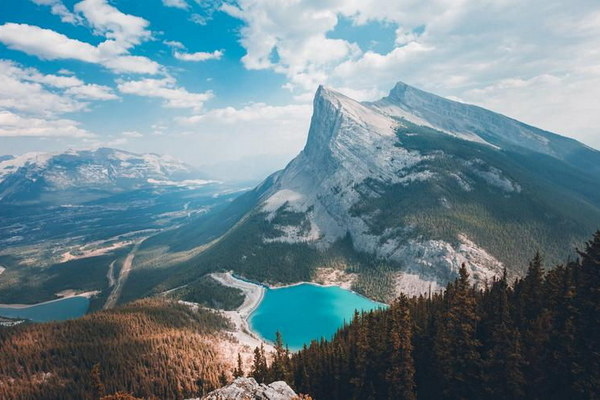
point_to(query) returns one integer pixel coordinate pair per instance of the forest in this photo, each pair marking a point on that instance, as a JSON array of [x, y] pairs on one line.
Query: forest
[[537, 338], [151, 348]]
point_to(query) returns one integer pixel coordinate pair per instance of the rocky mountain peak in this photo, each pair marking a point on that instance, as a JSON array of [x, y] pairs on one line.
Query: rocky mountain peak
[[249, 389]]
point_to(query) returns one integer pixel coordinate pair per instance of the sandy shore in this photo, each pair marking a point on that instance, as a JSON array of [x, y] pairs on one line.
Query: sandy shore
[[62, 295], [253, 295]]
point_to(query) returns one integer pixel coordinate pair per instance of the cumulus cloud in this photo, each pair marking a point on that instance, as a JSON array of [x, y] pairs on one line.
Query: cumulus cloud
[[123, 31], [92, 92], [12, 125], [50, 45], [31, 103], [454, 49], [57, 7], [167, 90], [176, 4], [24, 90], [28, 90], [253, 112], [199, 56], [174, 44]]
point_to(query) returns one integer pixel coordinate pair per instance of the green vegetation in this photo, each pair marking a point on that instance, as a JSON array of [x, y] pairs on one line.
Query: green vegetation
[[554, 209], [539, 339], [375, 282], [210, 293], [151, 348], [20, 284]]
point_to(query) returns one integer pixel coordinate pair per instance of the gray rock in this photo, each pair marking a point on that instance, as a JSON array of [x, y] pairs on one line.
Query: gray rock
[[249, 389]]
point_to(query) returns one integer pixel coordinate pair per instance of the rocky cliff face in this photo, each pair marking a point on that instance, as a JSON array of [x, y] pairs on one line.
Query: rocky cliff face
[[420, 181], [417, 185], [249, 389]]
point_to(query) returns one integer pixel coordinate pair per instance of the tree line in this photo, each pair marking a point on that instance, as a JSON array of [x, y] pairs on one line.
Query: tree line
[[538, 338]]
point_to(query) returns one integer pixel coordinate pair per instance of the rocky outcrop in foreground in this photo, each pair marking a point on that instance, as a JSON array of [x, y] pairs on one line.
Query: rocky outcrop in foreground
[[249, 389]]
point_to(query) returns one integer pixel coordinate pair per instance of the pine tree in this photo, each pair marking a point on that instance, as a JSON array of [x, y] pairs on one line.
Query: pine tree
[[259, 366], [239, 370], [456, 346], [280, 366], [400, 374], [504, 360], [534, 323], [587, 303]]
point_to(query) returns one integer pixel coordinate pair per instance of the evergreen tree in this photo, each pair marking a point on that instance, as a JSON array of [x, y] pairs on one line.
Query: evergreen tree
[[587, 303], [239, 370], [280, 366], [503, 359], [259, 366], [400, 374], [457, 347]]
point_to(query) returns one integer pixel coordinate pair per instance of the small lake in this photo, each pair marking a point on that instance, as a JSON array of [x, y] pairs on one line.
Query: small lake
[[306, 312], [55, 310]]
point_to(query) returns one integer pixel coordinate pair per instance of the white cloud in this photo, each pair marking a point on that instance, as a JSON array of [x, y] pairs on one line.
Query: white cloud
[[257, 112], [132, 134], [174, 44], [12, 125], [57, 7], [291, 39], [31, 102], [199, 56], [23, 90], [166, 89], [123, 31], [92, 92], [176, 4], [50, 45], [46, 43], [447, 47]]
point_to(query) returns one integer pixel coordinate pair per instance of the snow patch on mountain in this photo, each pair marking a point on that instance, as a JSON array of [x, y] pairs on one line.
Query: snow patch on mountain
[[11, 165]]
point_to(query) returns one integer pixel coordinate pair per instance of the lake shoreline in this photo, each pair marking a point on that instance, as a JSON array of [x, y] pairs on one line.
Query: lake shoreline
[[62, 296], [254, 294]]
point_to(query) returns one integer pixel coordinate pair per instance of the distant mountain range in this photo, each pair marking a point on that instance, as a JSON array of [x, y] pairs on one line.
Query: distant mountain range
[[398, 193], [34, 177]]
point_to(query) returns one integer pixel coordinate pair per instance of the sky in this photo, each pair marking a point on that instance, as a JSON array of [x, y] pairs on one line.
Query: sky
[[231, 82]]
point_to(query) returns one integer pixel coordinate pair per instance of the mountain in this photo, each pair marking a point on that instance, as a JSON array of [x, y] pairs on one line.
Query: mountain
[[396, 194], [35, 177]]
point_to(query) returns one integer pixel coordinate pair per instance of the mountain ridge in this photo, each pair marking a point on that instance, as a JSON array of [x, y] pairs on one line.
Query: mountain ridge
[[407, 203], [38, 176]]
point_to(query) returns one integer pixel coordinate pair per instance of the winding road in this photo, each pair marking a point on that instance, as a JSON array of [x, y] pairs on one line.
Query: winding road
[[114, 295]]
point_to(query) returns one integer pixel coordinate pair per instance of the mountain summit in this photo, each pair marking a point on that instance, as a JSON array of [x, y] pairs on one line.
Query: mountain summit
[[411, 187]]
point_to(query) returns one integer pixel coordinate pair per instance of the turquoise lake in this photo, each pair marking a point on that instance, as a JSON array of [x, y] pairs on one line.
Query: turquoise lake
[[56, 310], [306, 312]]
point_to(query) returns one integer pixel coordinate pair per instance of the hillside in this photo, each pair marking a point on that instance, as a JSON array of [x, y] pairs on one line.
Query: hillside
[[151, 348], [401, 191]]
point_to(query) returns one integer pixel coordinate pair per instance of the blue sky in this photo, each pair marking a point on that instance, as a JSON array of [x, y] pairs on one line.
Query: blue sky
[[215, 82]]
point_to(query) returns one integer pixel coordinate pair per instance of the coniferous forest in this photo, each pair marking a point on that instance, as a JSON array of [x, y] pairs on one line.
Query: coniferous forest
[[151, 348], [538, 338]]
